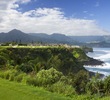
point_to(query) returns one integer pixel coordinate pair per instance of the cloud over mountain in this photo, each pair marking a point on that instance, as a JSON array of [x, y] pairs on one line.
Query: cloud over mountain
[[44, 20]]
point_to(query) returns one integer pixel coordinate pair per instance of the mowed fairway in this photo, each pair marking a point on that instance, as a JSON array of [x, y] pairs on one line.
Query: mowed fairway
[[18, 91]]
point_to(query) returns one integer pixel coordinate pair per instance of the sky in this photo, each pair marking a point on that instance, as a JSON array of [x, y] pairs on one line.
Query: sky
[[69, 17]]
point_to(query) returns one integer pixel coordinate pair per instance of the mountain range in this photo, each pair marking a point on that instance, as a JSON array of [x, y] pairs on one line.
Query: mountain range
[[17, 35]]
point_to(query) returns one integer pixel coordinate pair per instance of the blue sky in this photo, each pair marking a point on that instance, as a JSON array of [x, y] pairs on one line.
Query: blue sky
[[92, 15], [85, 9]]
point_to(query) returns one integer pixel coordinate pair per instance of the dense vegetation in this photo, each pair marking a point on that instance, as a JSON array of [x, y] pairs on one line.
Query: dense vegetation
[[56, 69], [35, 59]]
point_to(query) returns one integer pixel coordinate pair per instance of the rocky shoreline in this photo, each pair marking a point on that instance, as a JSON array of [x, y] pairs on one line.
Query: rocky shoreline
[[93, 62]]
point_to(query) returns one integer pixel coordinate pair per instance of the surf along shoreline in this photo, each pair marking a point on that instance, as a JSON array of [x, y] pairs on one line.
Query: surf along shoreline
[[94, 63]]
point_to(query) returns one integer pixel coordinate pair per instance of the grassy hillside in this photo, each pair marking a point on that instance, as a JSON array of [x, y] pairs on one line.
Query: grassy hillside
[[55, 69], [17, 91]]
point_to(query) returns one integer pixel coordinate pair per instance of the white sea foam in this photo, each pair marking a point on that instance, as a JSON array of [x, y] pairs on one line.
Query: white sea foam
[[104, 66], [100, 72], [105, 69], [104, 55]]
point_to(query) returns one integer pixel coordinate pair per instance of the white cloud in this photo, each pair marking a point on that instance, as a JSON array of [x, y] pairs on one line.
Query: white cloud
[[8, 4], [45, 20], [5, 3]]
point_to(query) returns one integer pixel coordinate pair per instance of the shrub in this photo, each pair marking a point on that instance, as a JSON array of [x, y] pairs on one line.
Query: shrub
[[80, 80], [66, 80], [25, 67], [19, 78], [1, 74], [2, 61], [107, 85], [31, 81], [6, 74], [62, 88], [48, 77], [12, 75], [95, 87], [11, 78]]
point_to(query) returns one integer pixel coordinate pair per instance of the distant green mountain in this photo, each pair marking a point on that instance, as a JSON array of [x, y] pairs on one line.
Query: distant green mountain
[[15, 35], [55, 38], [19, 36]]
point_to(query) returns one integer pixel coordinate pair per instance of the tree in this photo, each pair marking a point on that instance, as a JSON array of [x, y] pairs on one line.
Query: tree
[[80, 80], [107, 85], [3, 61], [95, 85]]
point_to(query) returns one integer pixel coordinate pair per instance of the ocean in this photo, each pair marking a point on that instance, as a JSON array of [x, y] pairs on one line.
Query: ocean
[[102, 54]]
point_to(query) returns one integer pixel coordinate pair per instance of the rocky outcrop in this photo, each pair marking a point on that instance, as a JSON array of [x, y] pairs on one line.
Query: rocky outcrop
[[93, 62]]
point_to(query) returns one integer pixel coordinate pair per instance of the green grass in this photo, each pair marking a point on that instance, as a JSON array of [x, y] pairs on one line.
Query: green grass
[[16, 91]]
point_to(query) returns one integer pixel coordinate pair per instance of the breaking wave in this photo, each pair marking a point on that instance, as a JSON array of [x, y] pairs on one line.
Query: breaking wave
[[102, 54]]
